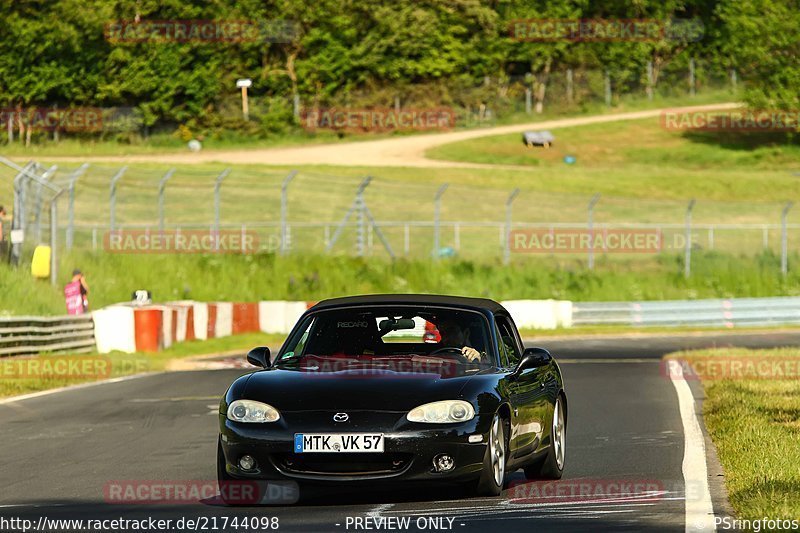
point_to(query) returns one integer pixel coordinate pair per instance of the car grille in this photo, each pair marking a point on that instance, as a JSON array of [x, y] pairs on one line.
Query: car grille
[[343, 464]]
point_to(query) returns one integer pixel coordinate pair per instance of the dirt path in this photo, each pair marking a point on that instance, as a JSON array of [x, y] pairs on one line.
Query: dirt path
[[395, 152]]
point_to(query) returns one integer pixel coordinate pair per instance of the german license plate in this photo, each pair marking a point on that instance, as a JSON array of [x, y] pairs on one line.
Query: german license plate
[[338, 442]]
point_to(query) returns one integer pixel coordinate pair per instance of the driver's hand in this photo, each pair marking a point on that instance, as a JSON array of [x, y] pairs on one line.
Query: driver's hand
[[471, 354]]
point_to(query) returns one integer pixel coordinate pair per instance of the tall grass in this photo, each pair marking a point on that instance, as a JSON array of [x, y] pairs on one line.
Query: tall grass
[[112, 278], [21, 294]]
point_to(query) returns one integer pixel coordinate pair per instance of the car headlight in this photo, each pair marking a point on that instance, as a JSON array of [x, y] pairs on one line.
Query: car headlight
[[251, 411], [444, 412]]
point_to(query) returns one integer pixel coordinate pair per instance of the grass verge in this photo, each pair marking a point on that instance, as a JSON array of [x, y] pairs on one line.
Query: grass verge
[[113, 277], [294, 136], [22, 375], [755, 425]]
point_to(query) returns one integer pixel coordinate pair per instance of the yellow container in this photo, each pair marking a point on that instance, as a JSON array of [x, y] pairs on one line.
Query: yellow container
[[40, 266]]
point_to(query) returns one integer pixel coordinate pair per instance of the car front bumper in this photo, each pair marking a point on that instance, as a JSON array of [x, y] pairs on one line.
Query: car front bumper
[[408, 455]]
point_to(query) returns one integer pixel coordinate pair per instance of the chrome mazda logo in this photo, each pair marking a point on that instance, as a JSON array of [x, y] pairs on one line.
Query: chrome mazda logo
[[341, 417]]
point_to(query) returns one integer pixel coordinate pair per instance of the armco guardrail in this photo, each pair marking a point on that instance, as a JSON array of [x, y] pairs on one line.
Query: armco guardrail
[[28, 335], [731, 312]]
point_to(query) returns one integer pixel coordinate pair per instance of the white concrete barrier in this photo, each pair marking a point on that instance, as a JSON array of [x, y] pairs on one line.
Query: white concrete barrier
[[200, 312], [224, 324], [272, 316], [294, 310], [182, 314], [540, 314], [167, 317], [564, 313], [114, 326], [184, 329], [114, 329]]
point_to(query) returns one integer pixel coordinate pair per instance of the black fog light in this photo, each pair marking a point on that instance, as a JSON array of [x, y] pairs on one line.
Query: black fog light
[[246, 462], [443, 463]]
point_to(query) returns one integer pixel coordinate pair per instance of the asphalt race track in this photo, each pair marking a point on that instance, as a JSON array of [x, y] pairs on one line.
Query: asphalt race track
[[61, 451]]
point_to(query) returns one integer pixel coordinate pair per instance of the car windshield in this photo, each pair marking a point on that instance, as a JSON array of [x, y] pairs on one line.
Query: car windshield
[[363, 334]]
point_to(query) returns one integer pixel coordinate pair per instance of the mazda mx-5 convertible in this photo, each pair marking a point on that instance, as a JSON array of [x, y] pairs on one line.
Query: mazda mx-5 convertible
[[397, 388]]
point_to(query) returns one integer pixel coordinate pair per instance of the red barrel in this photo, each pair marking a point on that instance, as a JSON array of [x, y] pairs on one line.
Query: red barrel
[[149, 333]]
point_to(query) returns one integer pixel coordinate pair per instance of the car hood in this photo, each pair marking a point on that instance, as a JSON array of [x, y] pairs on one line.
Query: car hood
[[296, 389]]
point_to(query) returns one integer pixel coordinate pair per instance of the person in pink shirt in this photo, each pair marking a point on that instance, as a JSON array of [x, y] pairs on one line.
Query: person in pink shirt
[[76, 294]]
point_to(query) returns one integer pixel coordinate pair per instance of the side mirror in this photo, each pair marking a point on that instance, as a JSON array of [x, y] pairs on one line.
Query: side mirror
[[532, 358], [259, 357]]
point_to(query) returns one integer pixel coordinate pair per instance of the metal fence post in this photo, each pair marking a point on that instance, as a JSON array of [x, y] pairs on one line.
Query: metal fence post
[[54, 238], [590, 225], [217, 185], [358, 205], [112, 202], [687, 263], [507, 246], [360, 223], [691, 77], [162, 185], [18, 222], [284, 245], [570, 89], [437, 209], [785, 239], [29, 171], [71, 207], [38, 205]]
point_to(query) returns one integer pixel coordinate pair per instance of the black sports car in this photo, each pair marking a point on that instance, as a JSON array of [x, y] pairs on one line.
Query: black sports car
[[359, 392]]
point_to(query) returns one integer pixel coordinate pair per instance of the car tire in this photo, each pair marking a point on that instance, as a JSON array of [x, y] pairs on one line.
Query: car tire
[[493, 474], [552, 465]]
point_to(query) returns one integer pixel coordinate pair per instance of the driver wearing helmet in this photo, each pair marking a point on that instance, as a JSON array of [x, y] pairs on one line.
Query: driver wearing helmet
[[456, 336]]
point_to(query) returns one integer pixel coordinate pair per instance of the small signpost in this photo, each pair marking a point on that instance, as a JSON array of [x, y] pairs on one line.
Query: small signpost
[[244, 84]]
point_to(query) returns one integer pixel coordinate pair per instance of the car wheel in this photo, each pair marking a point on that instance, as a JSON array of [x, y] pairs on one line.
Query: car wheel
[[552, 466], [493, 474]]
